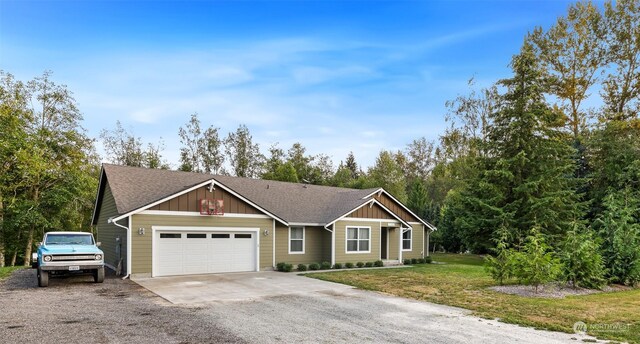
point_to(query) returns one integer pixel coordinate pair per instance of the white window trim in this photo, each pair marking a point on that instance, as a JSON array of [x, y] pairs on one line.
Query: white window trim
[[304, 239], [346, 239], [410, 240]]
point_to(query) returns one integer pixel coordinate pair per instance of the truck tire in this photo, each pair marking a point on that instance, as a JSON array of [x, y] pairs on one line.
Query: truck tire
[[43, 278], [98, 275]]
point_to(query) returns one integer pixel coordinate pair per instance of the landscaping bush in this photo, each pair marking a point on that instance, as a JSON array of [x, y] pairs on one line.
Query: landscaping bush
[[582, 264], [407, 262], [368, 264], [314, 266], [378, 263], [420, 260], [287, 268], [428, 260], [536, 263], [302, 267], [325, 265], [348, 265], [414, 260], [500, 266], [280, 266], [337, 266], [359, 264]]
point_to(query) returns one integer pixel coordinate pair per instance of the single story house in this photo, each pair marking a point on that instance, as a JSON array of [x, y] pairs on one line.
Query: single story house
[[162, 223]]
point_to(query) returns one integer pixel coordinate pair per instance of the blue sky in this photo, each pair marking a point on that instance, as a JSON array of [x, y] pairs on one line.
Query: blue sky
[[337, 76]]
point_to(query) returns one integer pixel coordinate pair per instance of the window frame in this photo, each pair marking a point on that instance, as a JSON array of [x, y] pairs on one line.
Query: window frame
[[410, 230], [358, 240], [304, 239]]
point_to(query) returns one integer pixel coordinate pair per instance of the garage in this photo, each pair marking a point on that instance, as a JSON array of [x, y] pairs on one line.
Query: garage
[[188, 252]]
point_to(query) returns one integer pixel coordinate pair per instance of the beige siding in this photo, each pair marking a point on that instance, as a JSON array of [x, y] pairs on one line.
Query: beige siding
[[108, 233], [317, 244], [341, 241], [141, 244], [416, 244]]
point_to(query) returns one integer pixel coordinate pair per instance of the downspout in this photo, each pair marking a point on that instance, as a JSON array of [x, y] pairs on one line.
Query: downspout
[[273, 238], [128, 231], [333, 243]]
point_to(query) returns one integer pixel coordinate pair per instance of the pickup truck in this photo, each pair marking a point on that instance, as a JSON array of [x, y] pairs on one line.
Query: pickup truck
[[62, 253]]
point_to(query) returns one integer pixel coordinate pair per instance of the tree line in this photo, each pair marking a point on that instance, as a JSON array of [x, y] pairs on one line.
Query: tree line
[[523, 161]]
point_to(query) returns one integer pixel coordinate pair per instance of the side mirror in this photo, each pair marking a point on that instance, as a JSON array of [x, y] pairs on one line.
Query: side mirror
[[98, 243], [40, 244]]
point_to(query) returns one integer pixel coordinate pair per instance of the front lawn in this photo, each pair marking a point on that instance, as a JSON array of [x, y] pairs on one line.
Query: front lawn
[[6, 271], [462, 282]]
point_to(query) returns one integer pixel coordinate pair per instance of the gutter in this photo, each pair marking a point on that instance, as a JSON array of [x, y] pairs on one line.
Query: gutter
[[128, 230]]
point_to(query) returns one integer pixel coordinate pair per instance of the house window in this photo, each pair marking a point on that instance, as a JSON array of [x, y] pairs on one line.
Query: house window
[[296, 240], [406, 240], [358, 239]]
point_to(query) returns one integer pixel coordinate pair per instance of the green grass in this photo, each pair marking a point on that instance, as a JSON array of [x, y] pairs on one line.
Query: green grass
[[6, 271], [462, 282]]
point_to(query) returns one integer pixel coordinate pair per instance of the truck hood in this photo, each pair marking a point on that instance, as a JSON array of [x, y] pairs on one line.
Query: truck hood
[[66, 249]]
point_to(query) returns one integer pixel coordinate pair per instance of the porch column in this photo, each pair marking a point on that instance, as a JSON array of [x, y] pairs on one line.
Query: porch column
[[333, 245], [400, 244]]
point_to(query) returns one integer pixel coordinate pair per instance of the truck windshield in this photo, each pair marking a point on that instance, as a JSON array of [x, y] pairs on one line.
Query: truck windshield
[[69, 239]]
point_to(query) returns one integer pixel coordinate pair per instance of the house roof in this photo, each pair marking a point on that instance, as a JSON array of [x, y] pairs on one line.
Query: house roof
[[134, 188]]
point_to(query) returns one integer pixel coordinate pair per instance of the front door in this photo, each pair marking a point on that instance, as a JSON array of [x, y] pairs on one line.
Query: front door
[[384, 246]]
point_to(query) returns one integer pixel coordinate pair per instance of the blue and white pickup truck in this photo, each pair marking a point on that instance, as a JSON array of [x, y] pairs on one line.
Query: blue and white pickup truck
[[62, 253]]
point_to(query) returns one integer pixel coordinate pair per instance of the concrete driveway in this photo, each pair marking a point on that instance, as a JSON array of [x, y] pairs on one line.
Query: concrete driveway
[[273, 307], [196, 289]]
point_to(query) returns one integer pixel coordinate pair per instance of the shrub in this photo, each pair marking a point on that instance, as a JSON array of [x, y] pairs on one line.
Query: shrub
[[314, 266], [280, 266], [378, 263], [368, 264], [536, 263], [414, 261], [325, 265], [287, 268], [407, 262], [582, 264], [500, 266], [302, 267], [337, 266], [428, 260], [359, 264], [348, 265], [420, 260]]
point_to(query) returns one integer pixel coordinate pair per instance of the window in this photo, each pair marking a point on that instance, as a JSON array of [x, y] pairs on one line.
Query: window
[[406, 240], [196, 236], [296, 240], [358, 239], [242, 236], [220, 236], [170, 235]]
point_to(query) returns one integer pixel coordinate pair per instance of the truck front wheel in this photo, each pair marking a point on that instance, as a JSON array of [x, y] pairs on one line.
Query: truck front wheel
[[98, 275], [43, 278]]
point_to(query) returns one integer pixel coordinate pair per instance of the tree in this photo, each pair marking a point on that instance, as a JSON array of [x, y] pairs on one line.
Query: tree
[[286, 173], [191, 140], [501, 265], [536, 263], [571, 53], [244, 155], [420, 159], [352, 165], [418, 200], [386, 173], [582, 263], [211, 152], [124, 148], [621, 86], [271, 165], [301, 162]]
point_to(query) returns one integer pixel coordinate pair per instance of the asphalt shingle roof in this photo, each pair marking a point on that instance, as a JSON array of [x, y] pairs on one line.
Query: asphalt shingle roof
[[135, 187]]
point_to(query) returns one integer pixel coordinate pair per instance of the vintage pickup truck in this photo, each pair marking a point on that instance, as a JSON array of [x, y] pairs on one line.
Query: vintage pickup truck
[[62, 253]]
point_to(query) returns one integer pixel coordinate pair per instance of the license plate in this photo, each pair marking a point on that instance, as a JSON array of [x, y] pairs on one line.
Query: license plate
[[74, 268]]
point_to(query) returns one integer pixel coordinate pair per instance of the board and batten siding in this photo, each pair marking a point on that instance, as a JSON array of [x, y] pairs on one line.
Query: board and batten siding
[[395, 208], [371, 212], [317, 245], [191, 202], [341, 254], [109, 235], [141, 244]]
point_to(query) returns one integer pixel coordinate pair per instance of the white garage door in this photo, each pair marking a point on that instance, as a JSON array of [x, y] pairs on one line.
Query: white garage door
[[179, 252]]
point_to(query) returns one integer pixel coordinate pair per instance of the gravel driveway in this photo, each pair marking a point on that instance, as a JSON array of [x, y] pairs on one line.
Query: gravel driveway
[[76, 310]]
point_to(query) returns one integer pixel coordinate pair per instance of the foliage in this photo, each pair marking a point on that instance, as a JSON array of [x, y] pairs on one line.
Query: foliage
[[348, 265], [536, 263], [360, 264], [428, 260], [284, 267], [501, 265], [387, 174], [244, 155], [378, 263], [406, 261], [314, 266], [123, 148], [337, 266], [582, 263], [368, 264], [325, 265], [302, 267]]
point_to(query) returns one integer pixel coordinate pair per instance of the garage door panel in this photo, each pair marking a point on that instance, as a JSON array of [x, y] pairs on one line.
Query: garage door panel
[[204, 252]]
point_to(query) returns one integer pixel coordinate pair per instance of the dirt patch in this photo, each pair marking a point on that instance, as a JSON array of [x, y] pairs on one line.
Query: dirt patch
[[553, 290]]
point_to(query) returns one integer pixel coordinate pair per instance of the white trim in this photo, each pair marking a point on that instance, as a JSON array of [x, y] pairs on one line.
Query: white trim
[[388, 237], [210, 181], [129, 247], [196, 213], [303, 240], [423, 236], [400, 247], [432, 227], [273, 243], [373, 200], [380, 236], [346, 239], [333, 245], [410, 230], [305, 224], [363, 219], [200, 229]]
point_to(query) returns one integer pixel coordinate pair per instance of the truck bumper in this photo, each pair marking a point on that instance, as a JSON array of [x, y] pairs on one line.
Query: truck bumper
[[66, 267]]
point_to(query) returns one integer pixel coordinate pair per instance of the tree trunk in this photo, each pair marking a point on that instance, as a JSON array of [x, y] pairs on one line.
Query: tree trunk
[[13, 258], [1, 232], [29, 248]]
